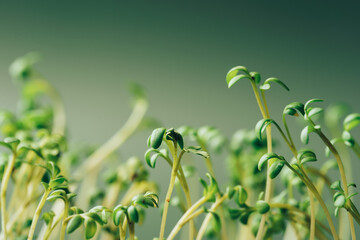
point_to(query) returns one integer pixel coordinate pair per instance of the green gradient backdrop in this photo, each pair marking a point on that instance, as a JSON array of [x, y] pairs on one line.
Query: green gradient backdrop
[[180, 52]]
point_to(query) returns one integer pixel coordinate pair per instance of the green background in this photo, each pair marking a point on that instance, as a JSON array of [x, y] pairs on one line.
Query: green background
[[180, 51]]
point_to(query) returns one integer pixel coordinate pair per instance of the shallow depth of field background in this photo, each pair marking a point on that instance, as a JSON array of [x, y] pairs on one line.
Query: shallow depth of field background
[[180, 51]]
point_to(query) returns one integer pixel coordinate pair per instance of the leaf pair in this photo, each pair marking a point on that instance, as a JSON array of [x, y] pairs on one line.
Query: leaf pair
[[240, 72], [277, 165], [209, 189], [157, 136]]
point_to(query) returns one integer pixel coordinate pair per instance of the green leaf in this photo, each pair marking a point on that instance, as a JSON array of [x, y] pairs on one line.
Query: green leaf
[[244, 217], [348, 139], [133, 214], [304, 136], [154, 198], [276, 168], [266, 84], [179, 139], [74, 223], [95, 217], [175, 137], [48, 217], [236, 78], [306, 106], [233, 74], [4, 144], [234, 213], [266, 157], [211, 189], [351, 121], [351, 195], [293, 108], [261, 126], [13, 142], [230, 192], [54, 183], [262, 207], [313, 111], [216, 222], [90, 228], [336, 186], [57, 194], [197, 150], [340, 201], [151, 155], [306, 155], [240, 195], [119, 214], [256, 77], [156, 137], [139, 200]]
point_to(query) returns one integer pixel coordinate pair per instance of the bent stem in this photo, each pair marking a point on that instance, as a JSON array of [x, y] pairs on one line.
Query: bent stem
[[294, 151], [37, 214], [310, 185], [208, 217], [342, 174], [210, 168], [64, 222], [268, 188], [174, 171], [93, 163], [4, 186], [312, 216], [186, 215], [186, 190]]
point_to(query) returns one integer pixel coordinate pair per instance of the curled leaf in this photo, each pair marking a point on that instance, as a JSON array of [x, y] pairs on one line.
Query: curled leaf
[[233, 75], [293, 109], [151, 155], [276, 168], [240, 195], [266, 84], [74, 223], [156, 138], [133, 214], [262, 206], [261, 126], [351, 121], [304, 136], [90, 228]]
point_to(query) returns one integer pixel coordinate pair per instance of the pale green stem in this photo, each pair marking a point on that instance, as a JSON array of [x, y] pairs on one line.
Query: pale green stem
[[179, 224], [37, 214], [132, 230], [342, 174], [210, 168], [50, 229], [186, 190], [310, 185], [64, 222], [312, 216], [312, 202], [208, 217], [4, 186], [268, 187], [174, 170]]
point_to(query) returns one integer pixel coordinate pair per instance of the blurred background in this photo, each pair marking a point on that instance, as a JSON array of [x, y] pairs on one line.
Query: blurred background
[[180, 52]]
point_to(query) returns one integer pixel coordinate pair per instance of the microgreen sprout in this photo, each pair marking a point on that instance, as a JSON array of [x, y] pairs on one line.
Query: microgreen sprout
[[51, 189]]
